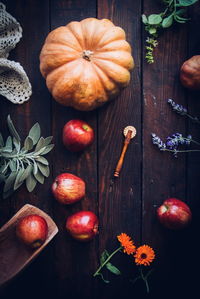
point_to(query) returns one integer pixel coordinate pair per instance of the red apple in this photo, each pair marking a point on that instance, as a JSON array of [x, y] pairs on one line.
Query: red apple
[[77, 135], [68, 188], [82, 226], [174, 214], [32, 230]]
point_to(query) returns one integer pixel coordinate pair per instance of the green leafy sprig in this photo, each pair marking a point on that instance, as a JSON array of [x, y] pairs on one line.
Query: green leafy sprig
[[174, 11], [105, 262], [23, 163]]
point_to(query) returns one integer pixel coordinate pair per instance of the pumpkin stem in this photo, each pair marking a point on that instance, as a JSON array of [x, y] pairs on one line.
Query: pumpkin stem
[[87, 54]]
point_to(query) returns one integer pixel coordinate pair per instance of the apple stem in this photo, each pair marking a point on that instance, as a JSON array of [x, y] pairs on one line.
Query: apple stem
[[106, 261]]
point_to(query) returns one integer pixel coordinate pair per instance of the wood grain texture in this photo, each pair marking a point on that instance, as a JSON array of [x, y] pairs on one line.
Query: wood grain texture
[[120, 199], [64, 269], [74, 262]]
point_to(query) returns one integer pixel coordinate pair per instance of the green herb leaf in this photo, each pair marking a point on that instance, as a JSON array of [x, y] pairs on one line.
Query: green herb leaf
[[152, 30], [104, 256], [101, 275], [113, 269], [35, 133], [9, 183], [144, 19], [39, 177], [26, 173], [47, 149], [12, 129], [1, 140], [42, 160], [40, 144], [167, 22], [154, 19], [18, 182], [8, 147], [44, 169], [17, 144], [13, 165], [31, 182], [48, 140], [28, 143], [186, 2]]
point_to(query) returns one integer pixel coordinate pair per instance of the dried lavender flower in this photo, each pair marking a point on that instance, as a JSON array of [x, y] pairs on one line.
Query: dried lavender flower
[[177, 108], [182, 111], [157, 141]]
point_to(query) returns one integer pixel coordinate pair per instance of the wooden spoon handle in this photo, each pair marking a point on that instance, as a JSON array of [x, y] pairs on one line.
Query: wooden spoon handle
[[121, 159]]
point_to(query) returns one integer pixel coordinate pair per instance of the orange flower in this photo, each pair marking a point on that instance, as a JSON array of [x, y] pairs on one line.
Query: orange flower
[[126, 243], [144, 255]]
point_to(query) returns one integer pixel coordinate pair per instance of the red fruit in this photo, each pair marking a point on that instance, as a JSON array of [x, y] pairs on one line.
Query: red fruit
[[68, 188], [77, 135], [174, 214], [32, 230], [82, 226]]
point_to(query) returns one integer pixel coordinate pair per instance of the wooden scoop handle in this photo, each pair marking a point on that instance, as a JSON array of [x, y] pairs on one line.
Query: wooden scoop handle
[[121, 159]]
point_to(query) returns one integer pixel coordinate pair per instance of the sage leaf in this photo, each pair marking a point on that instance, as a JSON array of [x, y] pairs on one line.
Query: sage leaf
[[35, 167], [1, 140], [47, 149], [186, 2], [42, 160], [30, 182], [104, 256], [18, 183], [28, 143], [13, 165], [40, 144], [35, 133], [26, 173], [152, 30], [48, 140], [113, 269], [39, 177], [154, 19], [8, 147], [4, 168], [10, 181], [17, 144], [167, 22], [12, 129], [44, 169]]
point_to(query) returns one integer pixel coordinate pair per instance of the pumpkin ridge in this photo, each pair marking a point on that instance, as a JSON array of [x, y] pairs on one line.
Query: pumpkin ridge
[[106, 71], [113, 59], [74, 34], [103, 83]]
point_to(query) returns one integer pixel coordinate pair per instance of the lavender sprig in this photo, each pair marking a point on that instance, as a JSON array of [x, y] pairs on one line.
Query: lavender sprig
[[182, 111], [173, 142]]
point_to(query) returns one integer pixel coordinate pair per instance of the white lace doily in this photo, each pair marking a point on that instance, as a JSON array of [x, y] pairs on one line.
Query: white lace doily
[[14, 83]]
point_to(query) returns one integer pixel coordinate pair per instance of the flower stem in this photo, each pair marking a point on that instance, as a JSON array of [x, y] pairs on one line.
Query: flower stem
[[106, 261], [172, 151], [144, 279]]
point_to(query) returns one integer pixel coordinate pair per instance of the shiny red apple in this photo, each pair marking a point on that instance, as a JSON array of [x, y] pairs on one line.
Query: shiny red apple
[[68, 188], [32, 230], [82, 226], [174, 214], [77, 135]]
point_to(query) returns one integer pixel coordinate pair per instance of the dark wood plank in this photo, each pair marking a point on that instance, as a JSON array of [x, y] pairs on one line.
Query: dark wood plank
[[34, 19], [163, 175], [120, 202], [193, 161], [74, 262]]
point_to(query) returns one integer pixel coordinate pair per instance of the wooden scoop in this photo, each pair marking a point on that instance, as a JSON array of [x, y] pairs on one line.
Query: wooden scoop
[[14, 255]]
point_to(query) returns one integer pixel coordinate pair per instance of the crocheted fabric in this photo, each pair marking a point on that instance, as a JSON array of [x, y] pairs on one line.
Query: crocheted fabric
[[14, 83]]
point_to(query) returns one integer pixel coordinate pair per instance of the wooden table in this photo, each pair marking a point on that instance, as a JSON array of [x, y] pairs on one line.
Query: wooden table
[[65, 267]]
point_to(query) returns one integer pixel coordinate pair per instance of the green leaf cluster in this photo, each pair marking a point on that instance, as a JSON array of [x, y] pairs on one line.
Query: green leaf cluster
[[23, 162], [105, 261], [174, 11]]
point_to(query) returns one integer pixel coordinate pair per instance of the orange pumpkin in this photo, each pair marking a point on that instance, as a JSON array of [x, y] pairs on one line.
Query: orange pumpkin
[[190, 73], [86, 63]]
